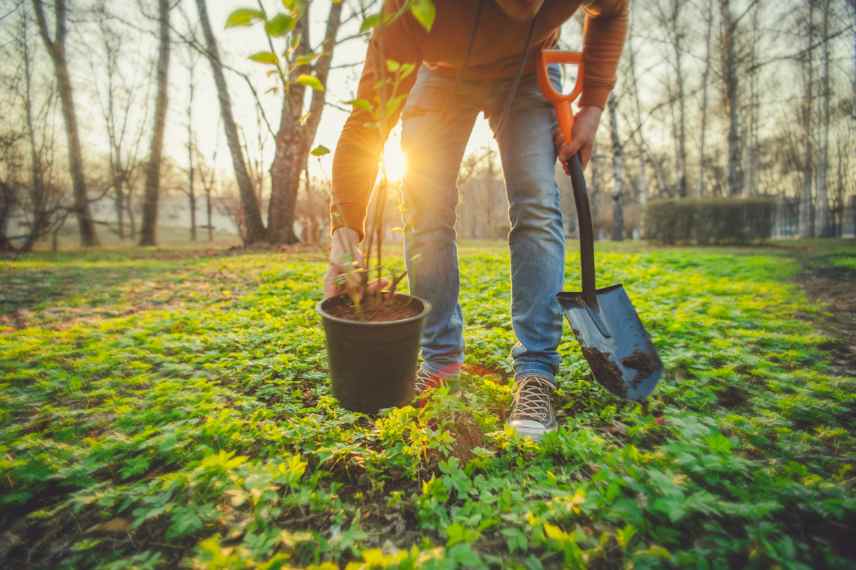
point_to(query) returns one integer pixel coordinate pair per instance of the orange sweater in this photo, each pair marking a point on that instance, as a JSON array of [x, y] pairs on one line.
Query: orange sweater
[[496, 53]]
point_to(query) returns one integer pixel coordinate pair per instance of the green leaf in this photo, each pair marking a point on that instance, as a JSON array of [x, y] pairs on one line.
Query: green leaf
[[243, 17], [310, 81], [280, 25], [265, 57], [305, 59], [320, 150], [424, 12], [369, 23], [360, 104], [392, 65]]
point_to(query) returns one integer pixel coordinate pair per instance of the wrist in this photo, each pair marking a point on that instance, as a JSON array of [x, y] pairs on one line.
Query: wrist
[[591, 110], [343, 244]]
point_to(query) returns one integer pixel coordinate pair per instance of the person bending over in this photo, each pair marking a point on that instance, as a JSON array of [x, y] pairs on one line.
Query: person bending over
[[479, 56]]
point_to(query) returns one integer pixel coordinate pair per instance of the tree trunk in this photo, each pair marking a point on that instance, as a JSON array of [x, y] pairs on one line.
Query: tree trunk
[[255, 229], [752, 146], [824, 228], [191, 172], [8, 201], [152, 190], [294, 136], [38, 196], [56, 50], [291, 149], [132, 221], [677, 45], [208, 213], [730, 84], [805, 213], [637, 137], [119, 207], [617, 171], [705, 81], [853, 75]]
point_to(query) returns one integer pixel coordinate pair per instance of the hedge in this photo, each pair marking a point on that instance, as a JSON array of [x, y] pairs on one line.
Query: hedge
[[710, 220]]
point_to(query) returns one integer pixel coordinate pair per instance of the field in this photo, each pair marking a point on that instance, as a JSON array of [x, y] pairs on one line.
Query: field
[[165, 408]]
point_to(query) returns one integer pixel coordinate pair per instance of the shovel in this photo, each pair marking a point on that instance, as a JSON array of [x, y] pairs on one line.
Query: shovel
[[614, 342]]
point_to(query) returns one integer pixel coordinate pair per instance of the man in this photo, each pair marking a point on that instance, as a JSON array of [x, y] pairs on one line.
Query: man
[[479, 56]]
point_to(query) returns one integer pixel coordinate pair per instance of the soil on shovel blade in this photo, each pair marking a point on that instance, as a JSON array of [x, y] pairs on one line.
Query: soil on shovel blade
[[397, 308], [642, 363], [605, 371]]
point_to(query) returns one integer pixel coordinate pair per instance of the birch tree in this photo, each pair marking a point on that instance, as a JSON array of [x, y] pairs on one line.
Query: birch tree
[[730, 79], [705, 82], [670, 13], [806, 225], [823, 226], [190, 62]]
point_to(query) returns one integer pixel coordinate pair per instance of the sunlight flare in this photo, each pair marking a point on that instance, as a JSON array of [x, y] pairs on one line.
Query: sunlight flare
[[394, 160]]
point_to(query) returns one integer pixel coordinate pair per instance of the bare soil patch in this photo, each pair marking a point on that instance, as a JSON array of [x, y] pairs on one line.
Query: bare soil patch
[[835, 287]]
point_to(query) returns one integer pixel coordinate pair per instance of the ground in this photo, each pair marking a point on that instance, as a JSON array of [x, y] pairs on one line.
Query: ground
[[172, 408]]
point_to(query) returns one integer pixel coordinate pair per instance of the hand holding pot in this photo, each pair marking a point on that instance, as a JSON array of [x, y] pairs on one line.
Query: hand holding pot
[[345, 257]]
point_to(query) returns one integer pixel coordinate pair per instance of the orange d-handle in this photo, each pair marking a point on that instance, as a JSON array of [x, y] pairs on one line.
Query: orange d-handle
[[562, 103]]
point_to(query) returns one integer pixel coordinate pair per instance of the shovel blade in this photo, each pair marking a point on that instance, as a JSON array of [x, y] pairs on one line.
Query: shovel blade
[[614, 342]]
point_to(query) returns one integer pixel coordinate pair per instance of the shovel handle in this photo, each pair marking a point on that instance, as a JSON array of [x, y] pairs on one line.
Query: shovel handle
[[561, 102], [565, 117], [584, 225]]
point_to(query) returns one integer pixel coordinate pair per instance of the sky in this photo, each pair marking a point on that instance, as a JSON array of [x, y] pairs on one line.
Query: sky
[[236, 44]]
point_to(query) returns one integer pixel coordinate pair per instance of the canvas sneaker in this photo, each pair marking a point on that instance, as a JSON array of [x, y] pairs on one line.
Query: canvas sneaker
[[532, 412], [426, 380]]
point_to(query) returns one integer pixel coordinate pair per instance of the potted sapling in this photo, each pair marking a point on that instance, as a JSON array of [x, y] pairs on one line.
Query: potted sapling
[[372, 330]]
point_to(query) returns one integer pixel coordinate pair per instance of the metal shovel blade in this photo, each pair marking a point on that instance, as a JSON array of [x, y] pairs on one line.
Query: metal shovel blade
[[614, 342]]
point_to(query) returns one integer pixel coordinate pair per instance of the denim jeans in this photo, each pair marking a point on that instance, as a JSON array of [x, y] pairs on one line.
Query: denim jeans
[[436, 123]]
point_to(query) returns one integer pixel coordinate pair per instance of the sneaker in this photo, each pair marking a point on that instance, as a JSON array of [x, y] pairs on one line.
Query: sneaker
[[426, 380], [532, 411]]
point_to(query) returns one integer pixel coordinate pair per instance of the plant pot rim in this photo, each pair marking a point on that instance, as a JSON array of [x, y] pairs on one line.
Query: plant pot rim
[[426, 308]]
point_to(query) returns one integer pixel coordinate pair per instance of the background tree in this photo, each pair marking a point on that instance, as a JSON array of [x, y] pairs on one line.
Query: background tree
[[122, 102], [153, 168], [617, 170], [190, 61], [255, 231], [298, 125], [56, 48]]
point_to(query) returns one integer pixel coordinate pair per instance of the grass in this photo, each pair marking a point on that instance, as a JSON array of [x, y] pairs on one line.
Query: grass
[[172, 408]]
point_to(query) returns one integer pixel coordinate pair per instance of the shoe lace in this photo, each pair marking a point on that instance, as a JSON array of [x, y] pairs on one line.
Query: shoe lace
[[533, 399]]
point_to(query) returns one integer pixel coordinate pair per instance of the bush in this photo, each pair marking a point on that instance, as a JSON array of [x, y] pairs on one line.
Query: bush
[[710, 220]]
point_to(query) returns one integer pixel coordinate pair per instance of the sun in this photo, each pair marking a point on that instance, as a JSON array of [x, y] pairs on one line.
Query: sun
[[394, 160]]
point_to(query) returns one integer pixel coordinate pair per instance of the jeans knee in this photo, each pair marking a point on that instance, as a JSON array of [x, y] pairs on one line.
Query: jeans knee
[[536, 207]]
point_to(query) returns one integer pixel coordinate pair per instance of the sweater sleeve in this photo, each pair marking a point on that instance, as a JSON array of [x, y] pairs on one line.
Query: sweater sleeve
[[603, 41], [355, 162]]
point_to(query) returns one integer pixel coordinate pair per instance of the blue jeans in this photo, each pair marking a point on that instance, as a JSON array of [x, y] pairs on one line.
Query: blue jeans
[[436, 123]]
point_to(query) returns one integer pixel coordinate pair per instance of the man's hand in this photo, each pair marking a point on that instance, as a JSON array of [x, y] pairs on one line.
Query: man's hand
[[345, 257], [582, 137]]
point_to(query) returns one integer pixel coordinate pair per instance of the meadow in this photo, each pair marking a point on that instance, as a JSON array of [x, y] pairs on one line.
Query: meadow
[[171, 408]]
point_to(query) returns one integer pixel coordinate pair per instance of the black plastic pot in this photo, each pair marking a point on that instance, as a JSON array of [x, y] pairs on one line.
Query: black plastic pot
[[372, 364]]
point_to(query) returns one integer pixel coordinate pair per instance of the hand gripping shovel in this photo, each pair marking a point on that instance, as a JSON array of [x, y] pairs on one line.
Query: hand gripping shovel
[[613, 340]]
